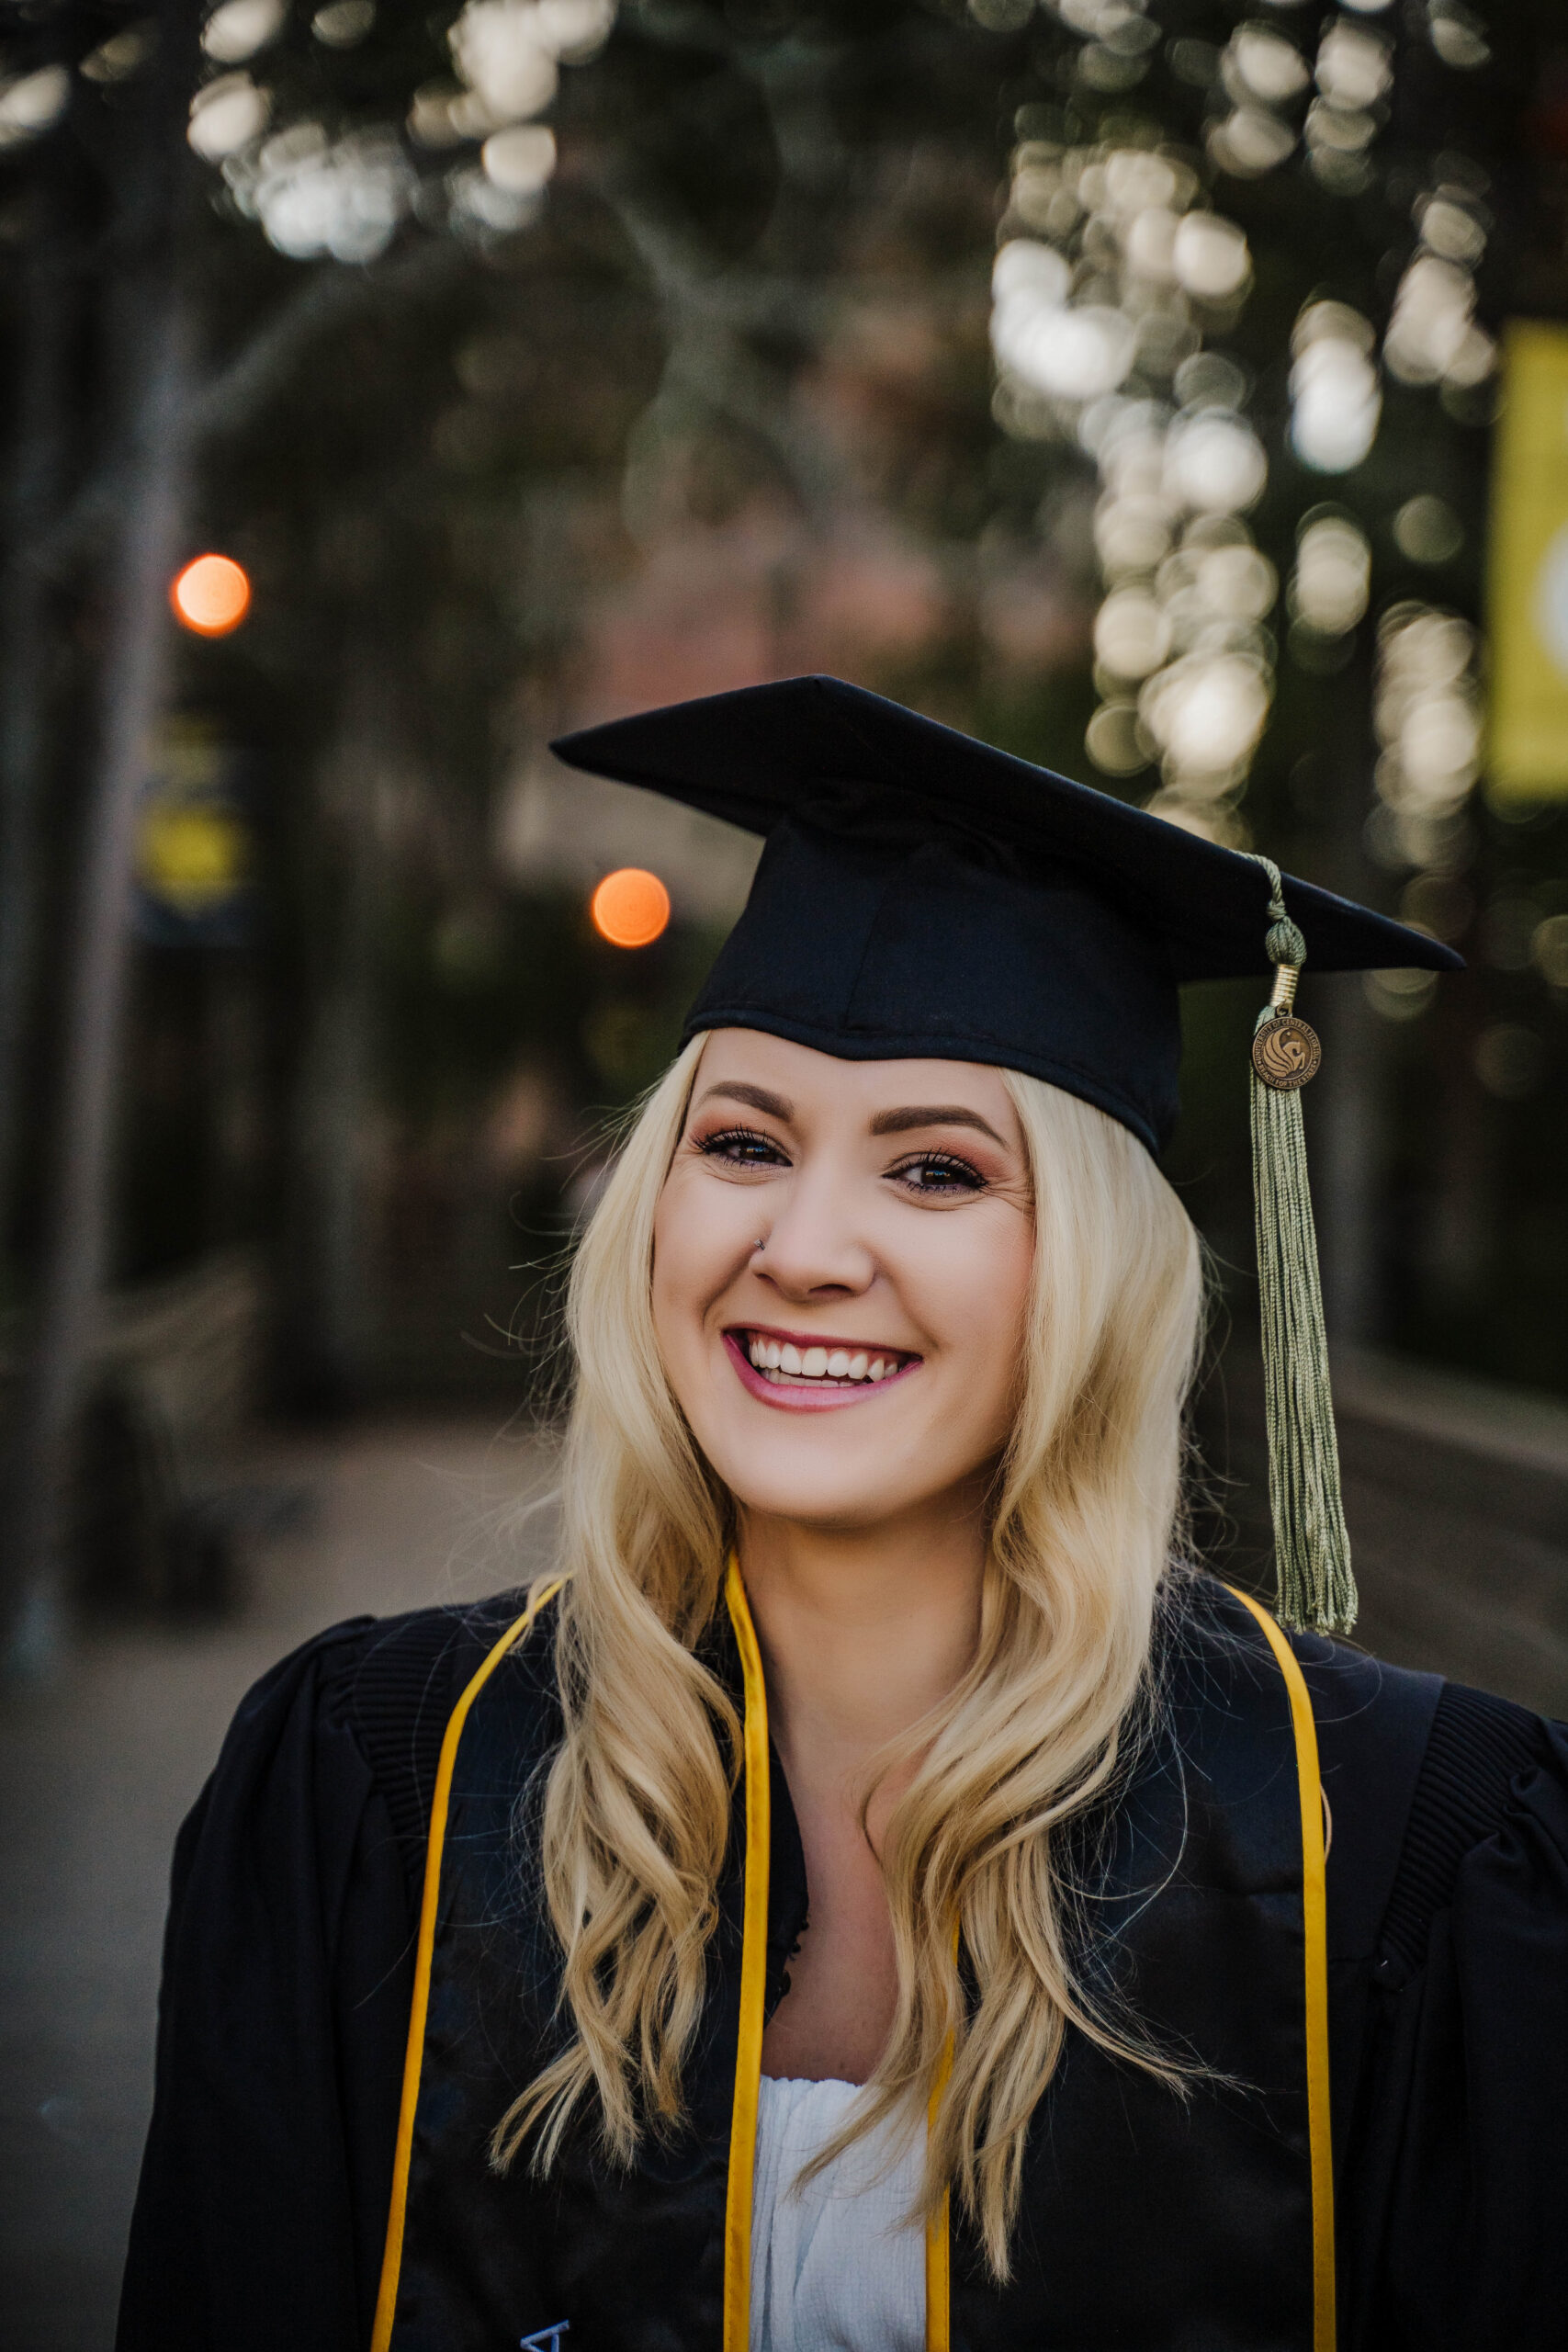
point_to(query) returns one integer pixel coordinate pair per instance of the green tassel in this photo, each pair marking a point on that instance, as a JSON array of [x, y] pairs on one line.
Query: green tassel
[[1311, 1549]]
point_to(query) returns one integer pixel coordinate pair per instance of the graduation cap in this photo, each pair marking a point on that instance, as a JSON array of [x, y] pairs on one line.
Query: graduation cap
[[923, 895]]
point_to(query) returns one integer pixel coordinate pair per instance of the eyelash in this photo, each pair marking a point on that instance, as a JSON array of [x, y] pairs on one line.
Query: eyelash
[[725, 1146], [966, 1178], [736, 1144]]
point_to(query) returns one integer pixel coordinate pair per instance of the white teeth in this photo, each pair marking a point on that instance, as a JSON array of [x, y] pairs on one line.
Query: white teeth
[[816, 1363]]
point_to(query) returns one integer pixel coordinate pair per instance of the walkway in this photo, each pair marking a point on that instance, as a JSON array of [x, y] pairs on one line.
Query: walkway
[[96, 1774]]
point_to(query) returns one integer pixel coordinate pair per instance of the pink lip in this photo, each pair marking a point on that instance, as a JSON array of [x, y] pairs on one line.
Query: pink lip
[[808, 1401]]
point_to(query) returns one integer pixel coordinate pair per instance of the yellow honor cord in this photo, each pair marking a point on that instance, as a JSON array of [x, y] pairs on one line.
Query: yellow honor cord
[[1315, 1920], [753, 1966], [753, 1975], [938, 2225], [393, 2254]]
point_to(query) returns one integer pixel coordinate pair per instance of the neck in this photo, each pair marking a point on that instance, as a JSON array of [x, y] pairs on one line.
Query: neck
[[862, 1631]]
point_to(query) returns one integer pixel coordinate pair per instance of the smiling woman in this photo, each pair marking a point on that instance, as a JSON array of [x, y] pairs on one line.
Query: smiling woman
[[940, 1217], [847, 1174], [873, 1894]]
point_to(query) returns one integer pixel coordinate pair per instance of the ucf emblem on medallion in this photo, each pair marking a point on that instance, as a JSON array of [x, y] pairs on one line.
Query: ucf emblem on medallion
[[1286, 1053]]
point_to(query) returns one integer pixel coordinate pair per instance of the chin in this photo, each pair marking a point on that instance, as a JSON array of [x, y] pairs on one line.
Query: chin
[[802, 1483], [831, 1508]]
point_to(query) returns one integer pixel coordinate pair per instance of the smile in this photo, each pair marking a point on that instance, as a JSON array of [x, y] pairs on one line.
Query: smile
[[799, 1371]]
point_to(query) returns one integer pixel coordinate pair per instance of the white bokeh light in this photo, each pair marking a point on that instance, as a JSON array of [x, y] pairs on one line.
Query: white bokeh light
[[239, 27], [1354, 66], [1332, 582], [33, 104], [1335, 397], [1112, 271], [1432, 314], [498, 48], [1211, 257], [1132, 634], [1029, 272], [1206, 712], [521, 160], [226, 116], [1427, 715], [1215, 463], [1268, 66], [315, 197], [1070, 355], [1250, 142]]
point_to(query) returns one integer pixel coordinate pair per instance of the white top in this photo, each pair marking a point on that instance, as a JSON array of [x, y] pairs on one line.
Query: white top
[[837, 2266]]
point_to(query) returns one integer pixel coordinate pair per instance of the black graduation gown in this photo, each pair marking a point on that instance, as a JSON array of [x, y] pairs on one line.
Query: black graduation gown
[[288, 1973]]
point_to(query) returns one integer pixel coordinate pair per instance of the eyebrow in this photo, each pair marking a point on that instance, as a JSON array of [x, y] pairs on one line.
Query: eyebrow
[[886, 1123], [758, 1097], [938, 1114]]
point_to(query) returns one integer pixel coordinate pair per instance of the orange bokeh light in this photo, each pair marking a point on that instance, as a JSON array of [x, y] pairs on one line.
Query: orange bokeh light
[[630, 908], [211, 596]]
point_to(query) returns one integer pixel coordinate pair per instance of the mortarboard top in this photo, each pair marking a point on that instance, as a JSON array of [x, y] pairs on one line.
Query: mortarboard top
[[924, 895]]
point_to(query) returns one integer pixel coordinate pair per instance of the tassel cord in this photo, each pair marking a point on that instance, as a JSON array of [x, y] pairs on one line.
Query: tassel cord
[[1311, 1548]]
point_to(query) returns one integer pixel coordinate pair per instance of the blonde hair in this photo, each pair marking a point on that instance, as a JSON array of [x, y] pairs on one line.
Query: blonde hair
[[636, 1808]]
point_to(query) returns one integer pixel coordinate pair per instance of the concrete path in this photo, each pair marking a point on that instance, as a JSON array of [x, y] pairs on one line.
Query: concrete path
[[96, 1774]]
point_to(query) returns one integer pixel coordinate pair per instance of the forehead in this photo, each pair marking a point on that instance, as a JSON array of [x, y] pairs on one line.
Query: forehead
[[817, 1085]]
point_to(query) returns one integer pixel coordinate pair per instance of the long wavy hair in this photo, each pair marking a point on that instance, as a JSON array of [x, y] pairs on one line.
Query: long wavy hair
[[1084, 1524]]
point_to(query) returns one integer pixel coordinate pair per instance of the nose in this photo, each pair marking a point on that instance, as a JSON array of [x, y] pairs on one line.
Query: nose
[[815, 1247]]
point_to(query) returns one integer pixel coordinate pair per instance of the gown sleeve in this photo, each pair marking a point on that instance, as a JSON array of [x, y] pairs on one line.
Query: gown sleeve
[[1455, 2188], [287, 1975]]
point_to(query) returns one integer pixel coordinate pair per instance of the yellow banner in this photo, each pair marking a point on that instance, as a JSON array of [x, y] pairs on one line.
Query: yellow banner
[[1528, 599]]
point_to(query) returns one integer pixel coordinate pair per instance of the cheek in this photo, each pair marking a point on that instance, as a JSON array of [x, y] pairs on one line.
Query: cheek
[[694, 1256], [984, 1285]]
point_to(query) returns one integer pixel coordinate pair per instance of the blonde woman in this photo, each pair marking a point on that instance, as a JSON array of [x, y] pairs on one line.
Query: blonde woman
[[875, 1894]]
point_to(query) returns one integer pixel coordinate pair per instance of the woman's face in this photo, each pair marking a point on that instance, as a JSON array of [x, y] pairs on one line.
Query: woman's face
[[842, 1256]]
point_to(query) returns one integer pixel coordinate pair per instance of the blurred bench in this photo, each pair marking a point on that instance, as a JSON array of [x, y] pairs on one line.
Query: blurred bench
[[1456, 1495]]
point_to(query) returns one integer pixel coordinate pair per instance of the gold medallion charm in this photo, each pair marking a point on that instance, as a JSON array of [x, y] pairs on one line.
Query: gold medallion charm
[[1285, 1052]]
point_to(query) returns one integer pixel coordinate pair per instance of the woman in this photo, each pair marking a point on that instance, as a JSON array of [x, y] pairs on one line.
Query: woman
[[873, 1895]]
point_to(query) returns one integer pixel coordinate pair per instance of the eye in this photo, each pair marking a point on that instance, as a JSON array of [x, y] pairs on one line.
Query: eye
[[742, 1147], [935, 1173]]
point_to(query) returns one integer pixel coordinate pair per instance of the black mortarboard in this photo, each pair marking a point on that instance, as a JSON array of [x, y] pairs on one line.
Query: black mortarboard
[[922, 893]]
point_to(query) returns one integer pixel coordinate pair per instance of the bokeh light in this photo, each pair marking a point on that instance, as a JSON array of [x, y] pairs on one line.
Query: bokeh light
[[1336, 399], [316, 197], [32, 105], [630, 908], [1332, 585], [238, 28], [211, 596], [342, 24], [227, 116], [1427, 530]]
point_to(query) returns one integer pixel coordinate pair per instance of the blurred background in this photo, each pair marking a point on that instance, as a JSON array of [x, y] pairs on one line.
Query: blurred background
[[1172, 391]]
